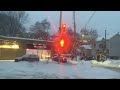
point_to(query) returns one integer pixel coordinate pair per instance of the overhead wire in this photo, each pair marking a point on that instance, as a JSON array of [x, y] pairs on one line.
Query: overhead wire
[[89, 19]]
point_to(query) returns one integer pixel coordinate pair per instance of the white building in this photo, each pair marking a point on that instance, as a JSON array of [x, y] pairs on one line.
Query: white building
[[86, 50], [112, 47]]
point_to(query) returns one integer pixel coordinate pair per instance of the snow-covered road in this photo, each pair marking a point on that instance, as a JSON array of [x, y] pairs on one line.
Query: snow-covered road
[[26, 70]]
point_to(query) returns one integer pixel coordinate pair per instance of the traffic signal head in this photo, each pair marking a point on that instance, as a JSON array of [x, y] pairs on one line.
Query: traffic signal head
[[63, 29], [61, 42]]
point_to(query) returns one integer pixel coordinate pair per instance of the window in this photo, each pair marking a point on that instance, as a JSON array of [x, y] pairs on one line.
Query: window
[[101, 46], [107, 51], [94, 45], [97, 50]]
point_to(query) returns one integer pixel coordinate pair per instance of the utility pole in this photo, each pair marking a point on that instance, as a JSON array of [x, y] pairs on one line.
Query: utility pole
[[60, 21], [105, 44], [75, 34]]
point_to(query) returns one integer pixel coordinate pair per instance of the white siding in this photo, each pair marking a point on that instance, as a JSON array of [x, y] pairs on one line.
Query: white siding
[[115, 46]]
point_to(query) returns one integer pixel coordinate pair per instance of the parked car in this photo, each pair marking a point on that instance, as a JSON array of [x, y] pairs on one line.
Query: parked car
[[28, 57]]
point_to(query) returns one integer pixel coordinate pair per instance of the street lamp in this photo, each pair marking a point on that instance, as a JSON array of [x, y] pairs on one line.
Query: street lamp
[[83, 35]]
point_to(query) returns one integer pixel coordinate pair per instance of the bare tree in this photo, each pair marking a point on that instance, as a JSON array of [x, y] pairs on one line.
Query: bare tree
[[89, 35], [86, 35], [40, 29], [13, 22]]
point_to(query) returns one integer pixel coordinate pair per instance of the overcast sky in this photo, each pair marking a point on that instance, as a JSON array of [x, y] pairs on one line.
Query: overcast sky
[[101, 20]]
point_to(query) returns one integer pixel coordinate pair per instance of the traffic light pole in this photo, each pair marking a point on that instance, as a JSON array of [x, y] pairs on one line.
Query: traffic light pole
[[60, 32], [75, 34], [60, 21]]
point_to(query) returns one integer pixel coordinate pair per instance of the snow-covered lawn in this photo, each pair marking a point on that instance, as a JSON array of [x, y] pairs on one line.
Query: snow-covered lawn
[[41, 70]]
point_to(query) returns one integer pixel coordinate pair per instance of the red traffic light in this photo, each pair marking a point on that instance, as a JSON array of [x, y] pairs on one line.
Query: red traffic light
[[63, 28], [64, 25], [62, 43]]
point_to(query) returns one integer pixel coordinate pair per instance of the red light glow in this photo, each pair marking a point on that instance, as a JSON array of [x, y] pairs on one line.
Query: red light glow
[[63, 28], [64, 25], [62, 43]]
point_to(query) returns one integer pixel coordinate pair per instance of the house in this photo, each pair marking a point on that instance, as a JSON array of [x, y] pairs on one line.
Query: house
[[85, 50], [112, 47], [100, 47], [12, 47]]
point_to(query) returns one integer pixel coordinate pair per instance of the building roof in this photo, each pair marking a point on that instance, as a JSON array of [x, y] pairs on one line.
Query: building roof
[[116, 35], [86, 46], [102, 38], [18, 38]]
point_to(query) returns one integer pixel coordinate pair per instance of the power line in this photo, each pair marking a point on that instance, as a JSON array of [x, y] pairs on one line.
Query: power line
[[79, 21], [89, 19]]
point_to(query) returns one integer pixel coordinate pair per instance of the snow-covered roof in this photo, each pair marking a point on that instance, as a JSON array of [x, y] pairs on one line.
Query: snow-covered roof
[[108, 37], [86, 46], [23, 38]]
